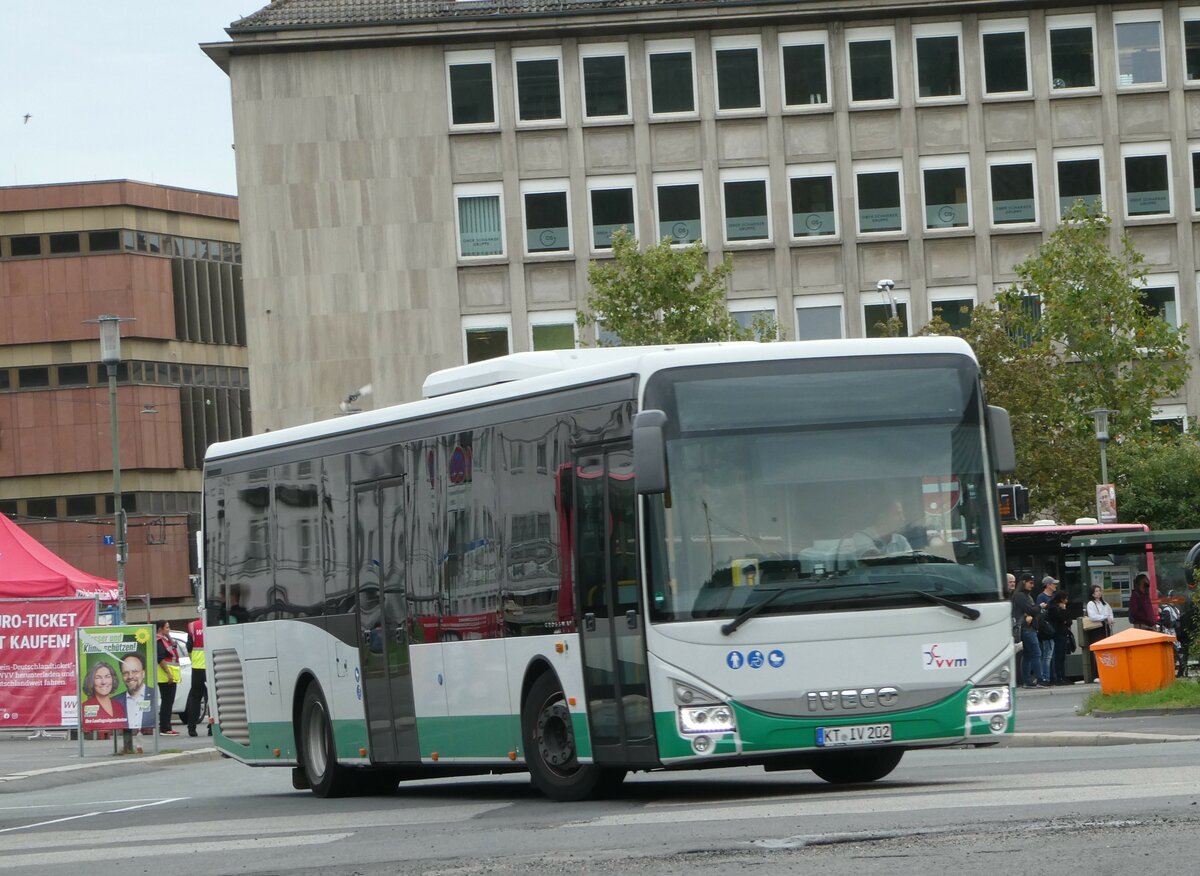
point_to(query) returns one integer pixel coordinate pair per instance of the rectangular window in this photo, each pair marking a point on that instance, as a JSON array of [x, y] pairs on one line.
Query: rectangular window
[[1147, 181], [611, 205], [486, 336], [813, 201], [605, 71], [33, 378], [46, 508], [1139, 47], [938, 60], [480, 221], [1160, 301], [552, 330], [879, 205], [876, 318], [1072, 52], [753, 313], [1014, 193], [677, 202], [1005, 57], [947, 204], [744, 200], [1196, 182], [25, 245], [1079, 179], [472, 80], [872, 65], [672, 77], [955, 312], [538, 77], [64, 244], [104, 241], [72, 375], [739, 75], [547, 228], [804, 60], [1191, 43], [81, 506], [819, 317]]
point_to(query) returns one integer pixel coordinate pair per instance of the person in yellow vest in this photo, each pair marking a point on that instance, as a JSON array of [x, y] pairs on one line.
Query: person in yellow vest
[[195, 646], [168, 675]]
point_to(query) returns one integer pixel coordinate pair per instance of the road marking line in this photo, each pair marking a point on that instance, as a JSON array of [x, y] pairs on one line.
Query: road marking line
[[146, 849], [91, 814]]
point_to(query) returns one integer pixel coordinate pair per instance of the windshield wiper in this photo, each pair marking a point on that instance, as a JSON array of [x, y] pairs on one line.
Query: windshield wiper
[[747, 613], [903, 556], [932, 598]]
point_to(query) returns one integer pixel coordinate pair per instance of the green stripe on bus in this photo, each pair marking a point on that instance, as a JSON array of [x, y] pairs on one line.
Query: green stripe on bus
[[350, 736], [761, 733]]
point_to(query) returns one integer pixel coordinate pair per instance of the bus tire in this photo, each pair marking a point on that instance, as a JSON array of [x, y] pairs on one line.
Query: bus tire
[[856, 767], [550, 750], [317, 752]]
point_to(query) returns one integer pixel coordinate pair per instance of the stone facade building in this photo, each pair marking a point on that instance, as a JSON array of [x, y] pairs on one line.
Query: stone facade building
[[424, 182]]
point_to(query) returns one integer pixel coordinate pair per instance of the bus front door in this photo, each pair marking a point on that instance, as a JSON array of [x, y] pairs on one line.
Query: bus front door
[[380, 587], [611, 613]]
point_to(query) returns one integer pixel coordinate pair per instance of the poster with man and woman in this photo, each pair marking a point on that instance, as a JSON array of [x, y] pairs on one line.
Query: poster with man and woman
[[115, 690]]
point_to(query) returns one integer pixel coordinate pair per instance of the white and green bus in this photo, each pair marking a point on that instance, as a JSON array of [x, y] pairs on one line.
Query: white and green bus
[[584, 563]]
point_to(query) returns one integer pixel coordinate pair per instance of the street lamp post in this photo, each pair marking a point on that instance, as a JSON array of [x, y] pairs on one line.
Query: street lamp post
[[1100, 415], [110, 356]]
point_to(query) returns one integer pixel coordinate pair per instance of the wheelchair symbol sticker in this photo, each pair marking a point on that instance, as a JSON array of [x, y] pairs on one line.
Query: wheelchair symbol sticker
[[755, 659]]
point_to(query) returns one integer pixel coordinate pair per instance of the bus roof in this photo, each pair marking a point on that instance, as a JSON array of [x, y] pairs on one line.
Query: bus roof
[[1159, 536], [525, 374], [1082, 528]]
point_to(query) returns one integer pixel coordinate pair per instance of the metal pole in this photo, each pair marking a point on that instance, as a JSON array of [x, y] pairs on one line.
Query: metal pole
[[1103, 462], [118, 510]]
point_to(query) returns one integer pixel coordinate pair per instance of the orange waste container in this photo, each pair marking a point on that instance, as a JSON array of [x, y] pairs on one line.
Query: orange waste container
[[1135, 661]]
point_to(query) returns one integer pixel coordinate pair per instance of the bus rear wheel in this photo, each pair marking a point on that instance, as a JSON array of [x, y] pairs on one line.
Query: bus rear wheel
[[317, 752], [855, 767], [550, 750]]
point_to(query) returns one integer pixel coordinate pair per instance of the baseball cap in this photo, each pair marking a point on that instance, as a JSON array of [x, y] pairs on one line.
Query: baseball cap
[[1049, 579]]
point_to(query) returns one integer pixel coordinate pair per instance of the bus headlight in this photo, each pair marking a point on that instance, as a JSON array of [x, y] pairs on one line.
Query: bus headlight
[[982, 700], [706, 719]]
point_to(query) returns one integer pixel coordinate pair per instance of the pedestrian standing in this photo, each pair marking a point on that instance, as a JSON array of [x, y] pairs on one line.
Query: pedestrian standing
[[1096, 626], [1047, 629], [168, 675], [195, 646], [1064, 639], [1027, 612], [1142, 614]]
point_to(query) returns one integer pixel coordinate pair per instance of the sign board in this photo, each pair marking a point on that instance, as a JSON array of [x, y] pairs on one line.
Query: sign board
[[1106, 503], [116, 677], [38, 685]]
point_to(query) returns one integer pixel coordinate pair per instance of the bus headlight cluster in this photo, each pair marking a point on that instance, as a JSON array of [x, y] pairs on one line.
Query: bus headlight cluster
[[982, 700], [706, 719]]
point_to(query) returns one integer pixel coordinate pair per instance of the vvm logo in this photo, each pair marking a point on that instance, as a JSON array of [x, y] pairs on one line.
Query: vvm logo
[[945, 655]]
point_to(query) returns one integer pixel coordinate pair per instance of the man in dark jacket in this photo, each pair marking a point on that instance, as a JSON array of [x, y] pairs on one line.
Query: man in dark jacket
[[1028, 612]]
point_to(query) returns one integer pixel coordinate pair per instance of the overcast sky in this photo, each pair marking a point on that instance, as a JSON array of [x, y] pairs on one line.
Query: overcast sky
[[116, 90]]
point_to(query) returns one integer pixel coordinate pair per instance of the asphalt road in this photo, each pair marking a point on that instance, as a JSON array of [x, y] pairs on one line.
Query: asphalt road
[[1117, 809]]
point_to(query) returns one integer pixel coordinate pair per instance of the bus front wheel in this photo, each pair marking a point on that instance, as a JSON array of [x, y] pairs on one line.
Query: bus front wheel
[[855, 767], [317, 752], [550, 750]]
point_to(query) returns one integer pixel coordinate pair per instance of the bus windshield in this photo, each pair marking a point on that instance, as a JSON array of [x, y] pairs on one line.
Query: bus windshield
[[849, 484]]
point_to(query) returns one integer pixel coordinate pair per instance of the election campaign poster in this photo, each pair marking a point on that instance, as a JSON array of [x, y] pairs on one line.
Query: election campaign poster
[[38, 686], [115, 690]]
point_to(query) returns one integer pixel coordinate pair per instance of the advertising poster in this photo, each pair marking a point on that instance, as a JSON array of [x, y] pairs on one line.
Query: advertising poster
[[115, 690], [37, 666], [1106, 503]]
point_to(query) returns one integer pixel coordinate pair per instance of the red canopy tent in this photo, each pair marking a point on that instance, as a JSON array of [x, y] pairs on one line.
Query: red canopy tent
[[28, 569]]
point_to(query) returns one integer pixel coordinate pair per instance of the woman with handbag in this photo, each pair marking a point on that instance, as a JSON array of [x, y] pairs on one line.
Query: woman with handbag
[[1097, 625]]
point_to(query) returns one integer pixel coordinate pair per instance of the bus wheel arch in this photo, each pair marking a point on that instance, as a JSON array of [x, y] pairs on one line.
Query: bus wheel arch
[[856, 766], [316, 748], [548, 739]]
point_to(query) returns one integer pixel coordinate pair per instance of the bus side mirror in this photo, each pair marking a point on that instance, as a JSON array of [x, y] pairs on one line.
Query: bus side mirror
[[650, 452], [1000, 441]]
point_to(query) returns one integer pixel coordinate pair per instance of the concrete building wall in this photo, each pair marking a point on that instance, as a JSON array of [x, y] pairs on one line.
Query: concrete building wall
[[347, 164]]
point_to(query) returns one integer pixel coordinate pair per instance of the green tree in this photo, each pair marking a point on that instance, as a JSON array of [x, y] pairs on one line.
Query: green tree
[[1158, 483], [664, 295], [1075, 333]]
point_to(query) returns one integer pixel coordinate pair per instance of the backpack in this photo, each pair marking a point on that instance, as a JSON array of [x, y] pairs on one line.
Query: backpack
[[1069, 645]]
